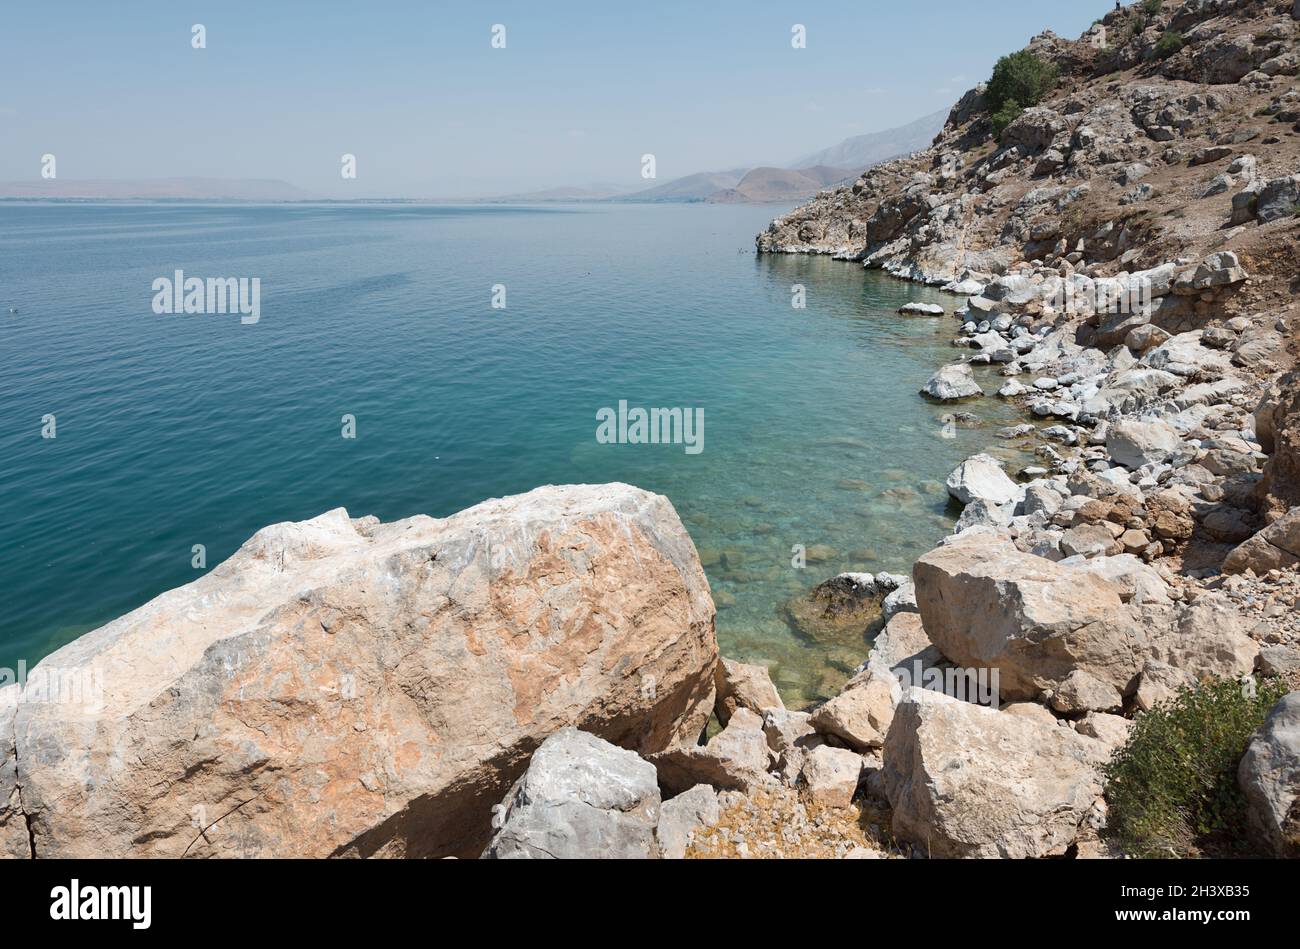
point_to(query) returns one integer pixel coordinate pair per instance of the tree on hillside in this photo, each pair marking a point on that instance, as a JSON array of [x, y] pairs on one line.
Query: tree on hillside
[[1021, 77]]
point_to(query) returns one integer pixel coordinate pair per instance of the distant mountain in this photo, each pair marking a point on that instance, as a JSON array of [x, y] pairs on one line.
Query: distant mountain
[[863, 151], [781, 184], [595, 193], [155, 189], [696, 187]]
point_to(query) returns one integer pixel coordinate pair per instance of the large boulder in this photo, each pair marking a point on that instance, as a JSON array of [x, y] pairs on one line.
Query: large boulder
[[969, 781], [1205, 639], [1278, 199], [345, 687], [981, 476], [987, 605], [1275, 547], [1137, 442], [581, 797], [1269, 775]]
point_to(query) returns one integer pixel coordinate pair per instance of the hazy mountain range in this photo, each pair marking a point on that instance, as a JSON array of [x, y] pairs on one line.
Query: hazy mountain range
[[156, 189], [794, 182]]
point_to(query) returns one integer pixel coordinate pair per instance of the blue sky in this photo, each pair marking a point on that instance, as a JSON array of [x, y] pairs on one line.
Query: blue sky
[[416, 92]]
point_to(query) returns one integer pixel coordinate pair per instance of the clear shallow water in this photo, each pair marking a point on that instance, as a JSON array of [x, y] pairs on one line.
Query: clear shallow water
[[183, 430]]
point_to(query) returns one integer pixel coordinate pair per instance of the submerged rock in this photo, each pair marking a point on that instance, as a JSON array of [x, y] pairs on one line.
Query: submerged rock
[[849, 604]]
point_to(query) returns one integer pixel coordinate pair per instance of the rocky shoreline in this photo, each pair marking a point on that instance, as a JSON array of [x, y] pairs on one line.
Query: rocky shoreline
[[538, 677]]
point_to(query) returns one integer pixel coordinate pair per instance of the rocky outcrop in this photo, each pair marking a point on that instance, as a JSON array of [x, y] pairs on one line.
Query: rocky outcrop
[[345, 687], [581, 797], [1269, 776], [968, 781]]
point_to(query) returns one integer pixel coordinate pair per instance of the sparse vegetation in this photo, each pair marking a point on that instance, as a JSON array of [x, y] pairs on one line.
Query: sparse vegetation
[[1021, 78], [1169, 44], [1172, 789], [1151, 7]]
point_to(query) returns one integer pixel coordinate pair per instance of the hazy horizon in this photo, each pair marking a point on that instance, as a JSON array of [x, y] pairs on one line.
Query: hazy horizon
[[431, 110]]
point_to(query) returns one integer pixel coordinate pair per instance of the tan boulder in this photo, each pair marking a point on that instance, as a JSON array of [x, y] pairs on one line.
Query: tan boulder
[[1275, 547], [345, 687], [740, 685], [1111, 730], [1159, 682], [830, 775], [860, 715], [1080, 692], [1209, 638], [968, 781], [988, 605], [736, 758]]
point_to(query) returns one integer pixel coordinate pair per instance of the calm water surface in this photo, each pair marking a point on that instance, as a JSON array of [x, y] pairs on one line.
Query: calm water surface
[[180, 430]]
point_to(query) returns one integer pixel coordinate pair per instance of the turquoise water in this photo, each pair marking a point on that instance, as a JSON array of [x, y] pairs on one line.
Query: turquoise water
[[182, 430]]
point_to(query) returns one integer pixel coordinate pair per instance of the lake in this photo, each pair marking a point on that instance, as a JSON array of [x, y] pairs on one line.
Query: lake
[[184, 429]]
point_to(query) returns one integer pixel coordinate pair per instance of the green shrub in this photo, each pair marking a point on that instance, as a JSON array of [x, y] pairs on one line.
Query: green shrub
[[1169, 44], [1021, 77], [1151, 7], [1010, 111], [1172, 788]]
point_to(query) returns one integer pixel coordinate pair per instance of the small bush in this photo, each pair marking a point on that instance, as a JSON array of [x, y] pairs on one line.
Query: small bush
[[1169, 44], [1151, 7], [1010, 111], [1021, 77], [1172, 788]]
